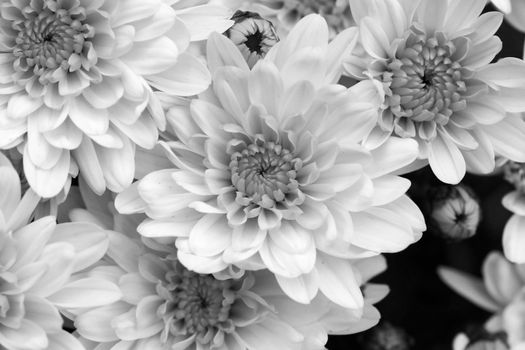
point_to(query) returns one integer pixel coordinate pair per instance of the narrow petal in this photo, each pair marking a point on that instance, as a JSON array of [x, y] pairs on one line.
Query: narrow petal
[[221, 52], [338, 282], [393, 154], [302, 288], [502, 281], [514, 239], [86, 293], [163, 49], [379, 230], [446, 160], [210, 236], [469, 287], [186, 78]]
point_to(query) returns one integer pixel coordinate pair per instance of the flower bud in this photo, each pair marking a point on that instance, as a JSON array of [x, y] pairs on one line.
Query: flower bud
[[514, 173], [455, 211], [386, 336], [253, 35]]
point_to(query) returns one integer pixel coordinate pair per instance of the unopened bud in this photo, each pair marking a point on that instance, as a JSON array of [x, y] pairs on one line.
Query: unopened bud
[[385, 336], [455, 211], [253, 35]]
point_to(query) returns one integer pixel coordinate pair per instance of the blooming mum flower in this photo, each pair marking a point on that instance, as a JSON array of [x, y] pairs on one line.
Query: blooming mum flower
[[40, 271], [429, 64], [166, 306], [502, 292], [269, 172], [513, 235], [455, 211], [77, 82]]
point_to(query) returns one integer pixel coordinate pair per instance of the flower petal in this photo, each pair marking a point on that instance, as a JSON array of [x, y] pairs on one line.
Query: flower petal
[[446, 160], [469, 287], [514, 239], [86, 293]]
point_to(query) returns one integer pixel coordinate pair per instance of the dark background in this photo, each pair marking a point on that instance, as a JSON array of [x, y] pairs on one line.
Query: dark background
[[419, 303]]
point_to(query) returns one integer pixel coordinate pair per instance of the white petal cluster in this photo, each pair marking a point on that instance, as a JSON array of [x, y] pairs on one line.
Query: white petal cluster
[[428, 62], [501, 292], [42, 271], [166, 306], [268, 172], [78, 81], [227, 174]]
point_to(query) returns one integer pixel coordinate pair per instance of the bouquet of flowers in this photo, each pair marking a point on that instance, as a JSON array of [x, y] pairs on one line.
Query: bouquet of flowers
[[226, 174]]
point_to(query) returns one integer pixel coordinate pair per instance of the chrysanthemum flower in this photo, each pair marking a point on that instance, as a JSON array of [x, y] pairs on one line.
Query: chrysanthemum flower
[[514, 231], [269, 172], [285, 14], [429, 63], [166, 306], [40, 271], [502, 292], [77, 81]]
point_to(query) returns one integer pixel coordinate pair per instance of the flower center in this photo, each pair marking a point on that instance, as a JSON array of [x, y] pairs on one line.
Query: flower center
[[195, 304], [49, 40], [425, 83], [264, 171]]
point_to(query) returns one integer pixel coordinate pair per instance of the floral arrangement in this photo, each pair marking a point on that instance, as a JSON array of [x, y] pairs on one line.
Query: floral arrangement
[[212, 174]]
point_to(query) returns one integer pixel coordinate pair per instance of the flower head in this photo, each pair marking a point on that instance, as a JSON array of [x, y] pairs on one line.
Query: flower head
[[78, 81], [502, 292], [167, 306], [41, 273], [269, 172], [428, 62]]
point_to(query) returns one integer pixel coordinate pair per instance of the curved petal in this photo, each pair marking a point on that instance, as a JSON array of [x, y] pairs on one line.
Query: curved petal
[[514, 239], [446, 160]]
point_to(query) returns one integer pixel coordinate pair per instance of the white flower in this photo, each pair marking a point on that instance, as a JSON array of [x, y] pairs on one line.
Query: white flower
[[513, 233], [502, 292], [40, 266], [166, 306], [77, 80], [269, 172], [428, 62]]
